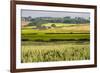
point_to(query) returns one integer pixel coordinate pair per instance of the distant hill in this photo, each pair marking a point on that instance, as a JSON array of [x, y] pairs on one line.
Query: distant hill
[[44, 20]]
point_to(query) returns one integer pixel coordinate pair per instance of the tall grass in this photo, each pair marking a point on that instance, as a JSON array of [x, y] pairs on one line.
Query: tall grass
[[54, 52]]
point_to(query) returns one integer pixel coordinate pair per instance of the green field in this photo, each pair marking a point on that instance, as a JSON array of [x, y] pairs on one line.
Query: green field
[[64, 42], [58, 24], [48, 37], [71, 31]]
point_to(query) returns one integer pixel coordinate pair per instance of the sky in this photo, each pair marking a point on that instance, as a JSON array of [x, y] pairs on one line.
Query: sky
[[41, 13]]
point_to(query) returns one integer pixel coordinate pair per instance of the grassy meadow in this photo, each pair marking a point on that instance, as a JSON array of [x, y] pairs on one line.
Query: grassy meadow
[[65, 42]]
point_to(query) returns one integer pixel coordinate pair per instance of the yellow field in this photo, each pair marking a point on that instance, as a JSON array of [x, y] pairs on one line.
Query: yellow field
[[49, 51], [79, 28]]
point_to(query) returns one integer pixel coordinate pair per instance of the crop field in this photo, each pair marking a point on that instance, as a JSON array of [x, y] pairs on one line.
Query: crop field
[[50, 37], [65, 42], [54, 51], [75, 32]]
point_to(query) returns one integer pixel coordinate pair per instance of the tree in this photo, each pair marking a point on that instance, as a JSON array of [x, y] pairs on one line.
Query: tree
[[53, 25], [29, 18]]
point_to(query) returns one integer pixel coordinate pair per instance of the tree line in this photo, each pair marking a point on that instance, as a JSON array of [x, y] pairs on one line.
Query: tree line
[[67, 20]]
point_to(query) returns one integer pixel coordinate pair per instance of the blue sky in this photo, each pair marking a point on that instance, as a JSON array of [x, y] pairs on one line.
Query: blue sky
[[41, 13]]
